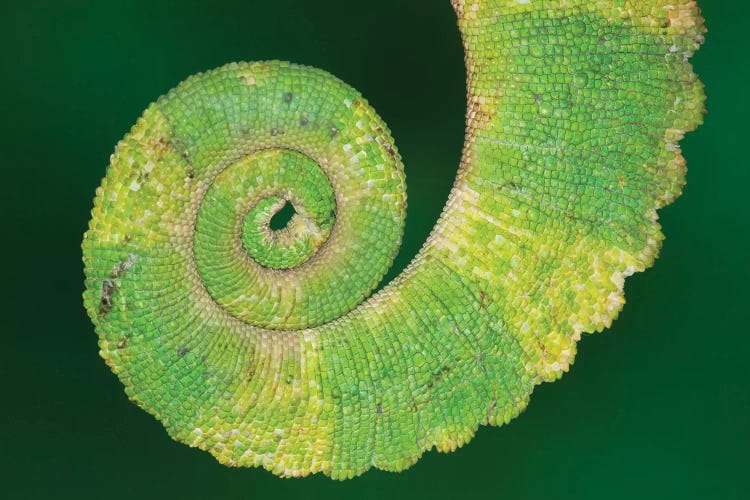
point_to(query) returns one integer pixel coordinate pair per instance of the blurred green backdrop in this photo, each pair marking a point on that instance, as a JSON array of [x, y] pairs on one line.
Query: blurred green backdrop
[[656, 407]]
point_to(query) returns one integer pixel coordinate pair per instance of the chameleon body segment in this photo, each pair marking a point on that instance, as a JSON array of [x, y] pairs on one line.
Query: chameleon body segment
[[261, 346]]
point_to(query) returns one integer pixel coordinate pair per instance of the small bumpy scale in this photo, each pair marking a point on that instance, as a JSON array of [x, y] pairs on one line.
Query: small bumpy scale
[[258, 345]]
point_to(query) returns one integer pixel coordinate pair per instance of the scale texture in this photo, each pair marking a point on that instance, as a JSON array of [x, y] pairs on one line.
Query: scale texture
[[261, 345]]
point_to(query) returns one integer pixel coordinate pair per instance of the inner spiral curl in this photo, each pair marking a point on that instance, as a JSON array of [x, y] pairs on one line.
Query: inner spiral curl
[[239, 205], [278, 132]]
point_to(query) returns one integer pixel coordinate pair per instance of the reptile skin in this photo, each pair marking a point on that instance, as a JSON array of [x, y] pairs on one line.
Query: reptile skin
[[260, 345]]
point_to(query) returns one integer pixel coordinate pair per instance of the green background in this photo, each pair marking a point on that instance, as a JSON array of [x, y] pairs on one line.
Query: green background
[[656, 407]]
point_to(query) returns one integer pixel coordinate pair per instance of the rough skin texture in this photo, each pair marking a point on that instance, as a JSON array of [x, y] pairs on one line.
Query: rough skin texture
[[255, 344]]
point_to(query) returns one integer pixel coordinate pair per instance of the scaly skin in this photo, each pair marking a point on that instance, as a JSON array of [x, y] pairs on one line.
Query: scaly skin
[[255, 344]]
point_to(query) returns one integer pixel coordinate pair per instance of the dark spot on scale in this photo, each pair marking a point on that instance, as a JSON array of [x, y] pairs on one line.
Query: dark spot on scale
[[390, 150], [482, 295], [109, 285], [602, 39], [108, 289], [537, 98], [191, 174], [276, 131], [182, 351], [378, 409], [303, 122], [121, 344], [288, 97], [334, 131], [126, 238], [438, 375]]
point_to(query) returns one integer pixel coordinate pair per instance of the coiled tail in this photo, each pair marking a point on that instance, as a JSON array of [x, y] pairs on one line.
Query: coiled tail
[[261, 345]]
